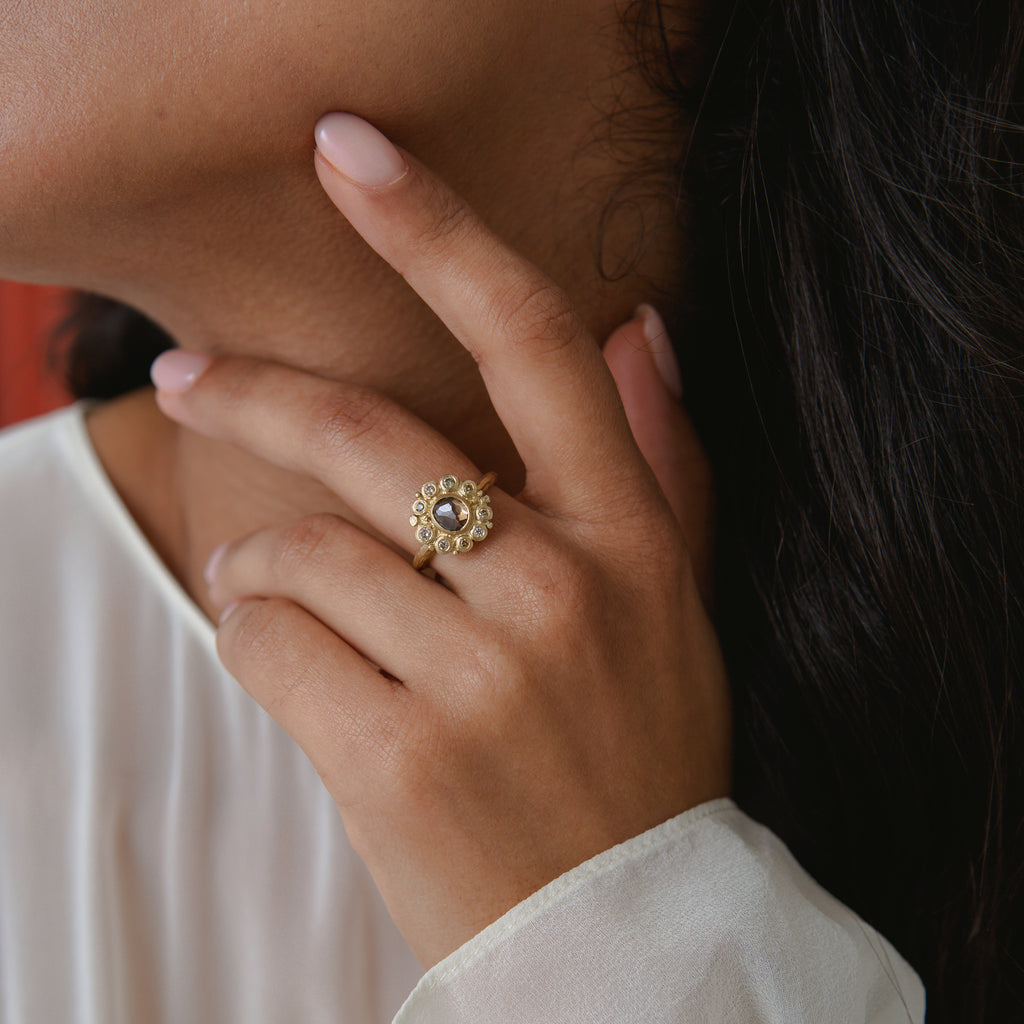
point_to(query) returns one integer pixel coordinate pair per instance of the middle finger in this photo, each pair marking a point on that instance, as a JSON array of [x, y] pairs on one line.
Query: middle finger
[[544, 372]]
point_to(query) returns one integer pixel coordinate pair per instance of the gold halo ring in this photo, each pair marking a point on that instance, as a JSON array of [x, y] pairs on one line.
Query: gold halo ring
[[450, 516]]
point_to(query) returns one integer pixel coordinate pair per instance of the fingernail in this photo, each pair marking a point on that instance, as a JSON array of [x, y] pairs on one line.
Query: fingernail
[[357, 150], [211, 566], [226, 614], [660, 346], [176, 371]]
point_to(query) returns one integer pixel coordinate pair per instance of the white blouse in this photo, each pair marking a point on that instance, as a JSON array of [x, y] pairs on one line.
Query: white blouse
[[167, 854]]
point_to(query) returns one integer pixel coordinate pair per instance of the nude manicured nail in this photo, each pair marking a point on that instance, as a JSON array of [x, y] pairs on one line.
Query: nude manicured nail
[[211, 566], [356, 149], [660, 346], [176, 371]]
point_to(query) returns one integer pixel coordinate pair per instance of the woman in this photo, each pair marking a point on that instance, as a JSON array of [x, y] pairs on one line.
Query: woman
[[532, 746]]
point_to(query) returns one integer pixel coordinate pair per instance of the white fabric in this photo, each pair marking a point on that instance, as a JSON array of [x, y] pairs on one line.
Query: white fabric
[[168, 855]]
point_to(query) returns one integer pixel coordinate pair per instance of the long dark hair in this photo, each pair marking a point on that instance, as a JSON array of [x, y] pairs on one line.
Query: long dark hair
[[854, 176]]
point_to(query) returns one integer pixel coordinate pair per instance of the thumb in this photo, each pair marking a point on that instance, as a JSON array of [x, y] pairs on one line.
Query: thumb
[[640, 357]]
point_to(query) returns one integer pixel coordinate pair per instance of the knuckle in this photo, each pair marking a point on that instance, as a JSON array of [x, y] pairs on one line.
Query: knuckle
[[304, 545], [497, 666], [540, 317], [346, 416], [255, 635], [263, 649], [490, 655], [508, 679], [559, 588], [292, 692]]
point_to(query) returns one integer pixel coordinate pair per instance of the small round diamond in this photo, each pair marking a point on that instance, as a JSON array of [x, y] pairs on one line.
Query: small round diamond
[[430, 489], [425, 534], [449, 483], [419, 506], [444, 544], [451, 514], [479, 532], [463, 544], [468, 488], [483, 513]]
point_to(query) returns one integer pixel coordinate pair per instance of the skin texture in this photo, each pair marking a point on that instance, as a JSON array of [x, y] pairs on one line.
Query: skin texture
[[162, 154]]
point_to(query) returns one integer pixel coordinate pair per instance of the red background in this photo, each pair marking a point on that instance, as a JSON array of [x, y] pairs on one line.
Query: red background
[[27, 315]]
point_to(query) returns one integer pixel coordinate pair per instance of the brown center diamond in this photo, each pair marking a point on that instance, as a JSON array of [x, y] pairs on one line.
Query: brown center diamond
[[451, 514]]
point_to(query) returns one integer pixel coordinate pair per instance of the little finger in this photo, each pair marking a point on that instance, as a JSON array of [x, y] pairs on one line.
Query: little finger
[[340, 711]]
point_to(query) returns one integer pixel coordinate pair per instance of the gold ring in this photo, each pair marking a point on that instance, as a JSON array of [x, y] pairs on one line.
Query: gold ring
[[451, 515]]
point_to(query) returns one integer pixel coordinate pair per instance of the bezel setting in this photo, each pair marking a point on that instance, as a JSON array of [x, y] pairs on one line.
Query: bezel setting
[[475, 529]]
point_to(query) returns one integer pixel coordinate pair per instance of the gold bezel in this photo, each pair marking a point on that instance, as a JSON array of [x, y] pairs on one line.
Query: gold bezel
[[431, 534]]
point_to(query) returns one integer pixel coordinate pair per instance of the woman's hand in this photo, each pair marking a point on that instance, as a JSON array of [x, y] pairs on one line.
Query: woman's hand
[[564, 691]]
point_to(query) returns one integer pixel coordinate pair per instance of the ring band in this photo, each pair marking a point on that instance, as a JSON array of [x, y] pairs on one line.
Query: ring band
[[451, 515]]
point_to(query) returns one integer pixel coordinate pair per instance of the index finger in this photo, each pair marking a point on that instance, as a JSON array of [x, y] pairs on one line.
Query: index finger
[[543, 371]]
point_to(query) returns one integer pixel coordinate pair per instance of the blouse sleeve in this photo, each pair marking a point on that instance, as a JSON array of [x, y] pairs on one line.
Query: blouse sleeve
[[706, 918]]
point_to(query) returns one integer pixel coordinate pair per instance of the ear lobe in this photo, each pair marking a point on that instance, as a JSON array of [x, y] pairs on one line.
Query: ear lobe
[[668, 441]]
